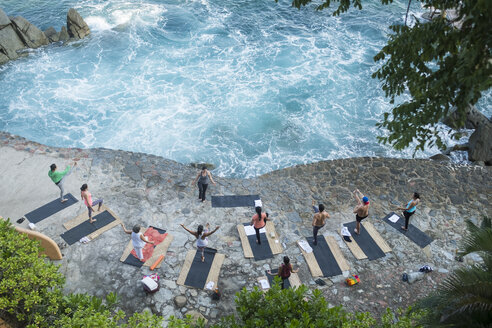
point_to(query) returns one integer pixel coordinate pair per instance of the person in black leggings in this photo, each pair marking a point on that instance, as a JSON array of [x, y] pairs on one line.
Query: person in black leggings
[[203, 177]]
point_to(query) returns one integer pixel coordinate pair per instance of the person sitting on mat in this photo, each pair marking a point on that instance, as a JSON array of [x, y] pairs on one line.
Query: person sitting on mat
[[87, 197], [284, 270], [259, 221], [201, 237], [138, 240], [59, 177], [319, 219], [410, 209], [202, 177], [361, 210]]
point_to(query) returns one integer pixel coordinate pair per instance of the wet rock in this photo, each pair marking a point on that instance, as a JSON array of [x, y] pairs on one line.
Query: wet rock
[[480, 144], [440, 158], [10, 42], [52, 35], [63, 34], [4, 19], [32, 36], [76, 26]]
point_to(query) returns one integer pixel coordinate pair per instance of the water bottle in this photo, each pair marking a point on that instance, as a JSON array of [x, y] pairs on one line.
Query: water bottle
[[412, 277]]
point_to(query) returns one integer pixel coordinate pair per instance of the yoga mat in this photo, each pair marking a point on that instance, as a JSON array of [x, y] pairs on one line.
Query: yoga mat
[[234, 201], [365, 242], [261, 251], [49, 209], [132, 260], [413, 233], [272, 278], [198, 273], [85, 228], [325, 258]]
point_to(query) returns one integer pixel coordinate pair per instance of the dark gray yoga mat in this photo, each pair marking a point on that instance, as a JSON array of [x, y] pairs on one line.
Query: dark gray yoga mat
[[413, 233], [234, 201], [132, 260], [271, 279], [326, 261], [85, 228], [365, 242], [197, 276], [260, 251], [49, 209]]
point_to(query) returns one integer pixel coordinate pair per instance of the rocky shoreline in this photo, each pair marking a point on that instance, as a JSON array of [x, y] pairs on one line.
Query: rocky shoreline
[[151, 190]]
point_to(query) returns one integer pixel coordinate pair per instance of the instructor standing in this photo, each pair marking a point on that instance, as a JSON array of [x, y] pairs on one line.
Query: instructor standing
[[58, 178], [203, 177]]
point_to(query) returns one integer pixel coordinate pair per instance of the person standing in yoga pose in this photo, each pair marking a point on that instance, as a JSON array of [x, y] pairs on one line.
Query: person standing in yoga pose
[[58, 178], [201, 237], [259, 221], [361, 210], [410, 209], [138, 240], [202, 177], [87, 197], [284, 270], [319, 219]]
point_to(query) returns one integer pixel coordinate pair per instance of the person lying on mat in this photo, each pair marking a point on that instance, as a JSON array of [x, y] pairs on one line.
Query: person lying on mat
[[284, 270], [410, 209], [87, 197], [138, 240], [58, 178], [319, 219], [203, 177], [361, 210], [201, 237], [258, 221]]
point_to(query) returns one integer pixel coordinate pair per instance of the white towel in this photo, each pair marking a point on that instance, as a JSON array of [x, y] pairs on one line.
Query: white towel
[[346, 232], [264, 284], [394, 218], [84, 240], [251, 231], [149, 282], [32, 226], [209, 285], [258, 203], [305, 246]]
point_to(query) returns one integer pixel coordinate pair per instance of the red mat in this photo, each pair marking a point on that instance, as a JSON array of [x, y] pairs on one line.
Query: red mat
[[148, 250]]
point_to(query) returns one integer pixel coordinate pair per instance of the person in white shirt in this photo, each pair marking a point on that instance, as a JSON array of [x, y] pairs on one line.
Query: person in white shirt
[[138, 240]]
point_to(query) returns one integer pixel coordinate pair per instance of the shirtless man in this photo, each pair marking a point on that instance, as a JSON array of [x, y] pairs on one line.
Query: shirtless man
[[361, 210], [318, 220]]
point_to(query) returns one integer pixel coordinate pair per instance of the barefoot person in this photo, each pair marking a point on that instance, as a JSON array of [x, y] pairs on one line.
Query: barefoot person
[[58, 177], [201, 237], [138, 240], [361, 210], [203, 178], [258, 221], [87, 197], [410, 209], [319, 219], [284, 270]]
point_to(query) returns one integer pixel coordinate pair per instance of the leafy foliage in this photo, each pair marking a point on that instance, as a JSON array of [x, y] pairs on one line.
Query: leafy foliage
[[464, 299], [30, 287], [442, 65]]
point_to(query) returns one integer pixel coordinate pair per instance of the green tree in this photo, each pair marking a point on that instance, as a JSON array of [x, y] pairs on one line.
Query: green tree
[[442, 65], [30, 287], [464, 299]]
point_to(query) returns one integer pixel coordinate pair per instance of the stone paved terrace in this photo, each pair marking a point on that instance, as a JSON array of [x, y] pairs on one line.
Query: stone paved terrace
[[154, 191]]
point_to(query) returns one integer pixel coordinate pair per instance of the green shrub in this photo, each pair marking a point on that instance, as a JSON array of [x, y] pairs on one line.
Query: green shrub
[[30, 287]]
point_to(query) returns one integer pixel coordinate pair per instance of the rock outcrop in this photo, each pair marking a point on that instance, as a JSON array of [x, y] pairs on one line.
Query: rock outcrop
[[480, 144], [77, 27], [17, 34]]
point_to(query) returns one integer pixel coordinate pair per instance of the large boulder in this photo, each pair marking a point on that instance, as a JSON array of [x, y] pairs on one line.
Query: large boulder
[[4, 20], [3, 58], [10, 42], [473, 118], [77, 27], [480, 144], [63, 34], [32, 36], [52, 35]]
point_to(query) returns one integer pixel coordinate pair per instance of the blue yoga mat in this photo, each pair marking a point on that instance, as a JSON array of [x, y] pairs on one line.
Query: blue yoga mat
[[197, 276], [85, 228], [326, 261], [260, 251], [234, 201], [49, 209], [365, 242]]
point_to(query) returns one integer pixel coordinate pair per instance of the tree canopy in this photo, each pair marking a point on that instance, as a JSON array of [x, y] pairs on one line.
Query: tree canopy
[[442, 65]]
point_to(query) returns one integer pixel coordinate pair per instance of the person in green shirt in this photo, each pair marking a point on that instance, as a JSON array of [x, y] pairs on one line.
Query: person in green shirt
[[58, 177]]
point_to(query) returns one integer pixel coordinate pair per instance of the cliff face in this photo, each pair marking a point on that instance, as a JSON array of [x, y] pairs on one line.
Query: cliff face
[[150, 190], [17, 34]]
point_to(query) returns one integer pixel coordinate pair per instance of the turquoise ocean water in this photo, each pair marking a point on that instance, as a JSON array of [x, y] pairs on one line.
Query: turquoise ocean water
[[250, 86]]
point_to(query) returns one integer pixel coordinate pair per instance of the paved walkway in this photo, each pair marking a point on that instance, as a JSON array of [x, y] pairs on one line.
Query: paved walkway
[[154, 191]]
